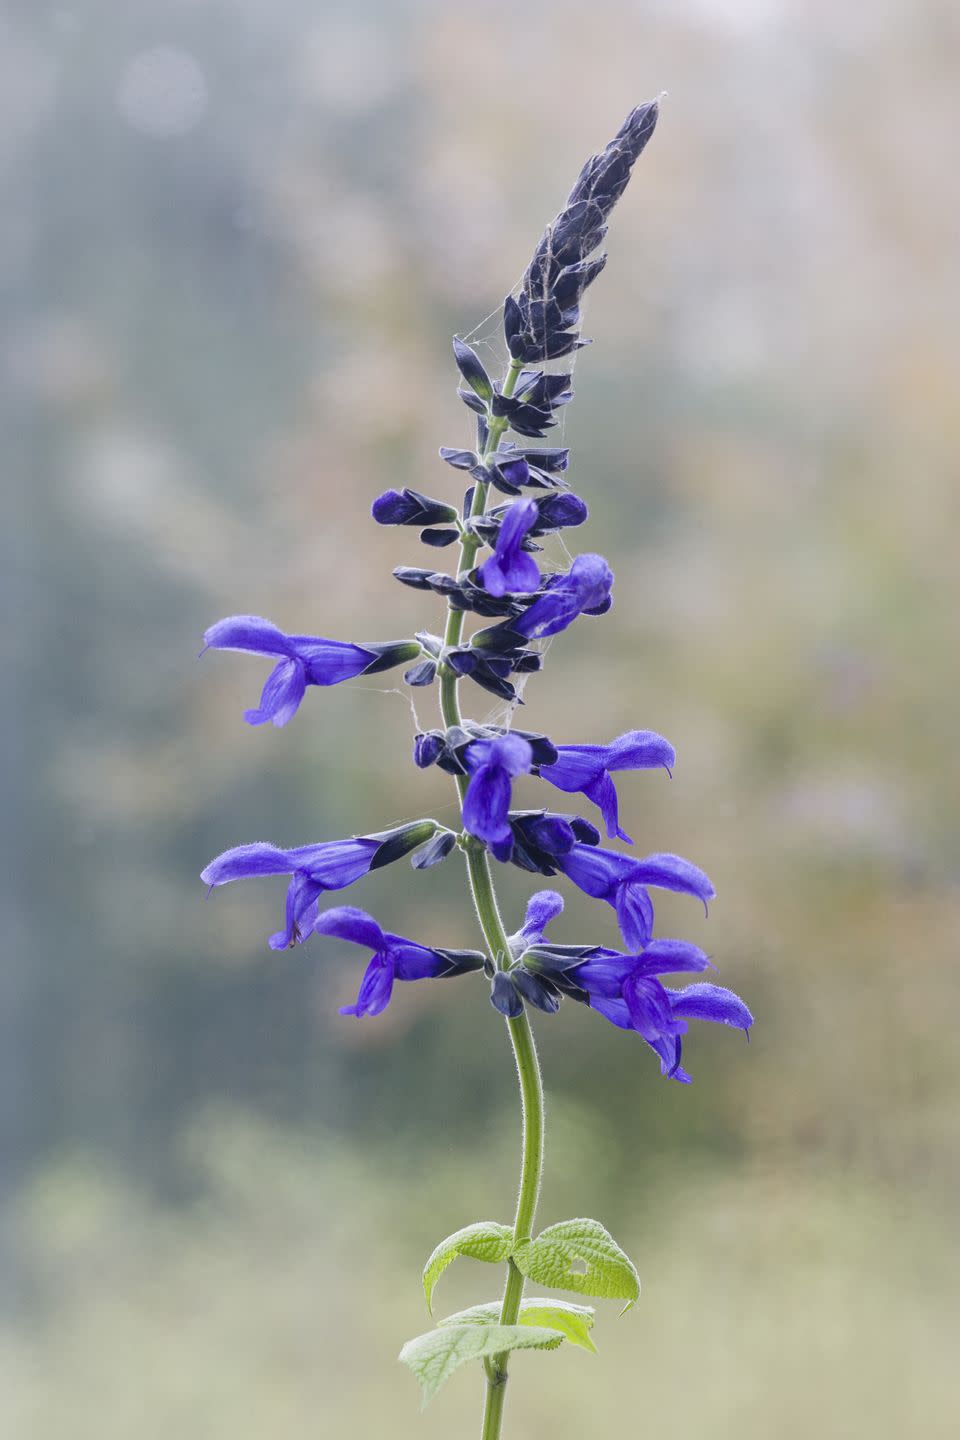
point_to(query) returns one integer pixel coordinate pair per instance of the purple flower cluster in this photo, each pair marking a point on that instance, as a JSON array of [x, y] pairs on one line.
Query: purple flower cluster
[[530, 602]]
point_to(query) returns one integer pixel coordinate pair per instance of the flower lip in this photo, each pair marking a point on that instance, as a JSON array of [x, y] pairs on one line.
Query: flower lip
[[302, 660], [492, 765], [587, 769]]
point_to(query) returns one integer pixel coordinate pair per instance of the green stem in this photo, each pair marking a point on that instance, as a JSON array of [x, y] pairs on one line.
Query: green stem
[[491, 923]]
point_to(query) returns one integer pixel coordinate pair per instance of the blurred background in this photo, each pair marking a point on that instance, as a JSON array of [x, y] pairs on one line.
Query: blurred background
[[237, 237]]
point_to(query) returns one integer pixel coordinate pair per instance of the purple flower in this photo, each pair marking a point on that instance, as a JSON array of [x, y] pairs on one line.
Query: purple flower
[[394, 958], [626, 989], [584, 588], [542, 907], [492, 765], [329, 865], [302, 660], [587, 768], [510, 570], [622, 881], [409, 507], [660, 1014]]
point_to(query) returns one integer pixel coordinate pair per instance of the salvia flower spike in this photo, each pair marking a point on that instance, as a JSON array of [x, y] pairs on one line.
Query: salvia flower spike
[[504, 574]]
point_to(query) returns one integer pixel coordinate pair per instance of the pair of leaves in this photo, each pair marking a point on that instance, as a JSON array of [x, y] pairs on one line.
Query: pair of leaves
[[578, 1255], [476, 1334], [575, 1255]]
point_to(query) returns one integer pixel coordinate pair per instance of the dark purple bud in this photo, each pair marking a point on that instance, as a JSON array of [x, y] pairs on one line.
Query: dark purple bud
[[551, 833], [439, 539], [504, 997], [487, 678], [414, 576], [459, 459], [551, 461], [427, 748], [431, 643], [542, 748], [560, 511], [462, 661], [536, 991], [515, 471], [586, 833], [424, 673], [513, 327], [435, 851], [468, 363], [409, 507], [472, 401]]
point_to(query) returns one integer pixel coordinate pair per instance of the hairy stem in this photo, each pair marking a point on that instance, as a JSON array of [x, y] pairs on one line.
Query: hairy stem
[[488, 914]]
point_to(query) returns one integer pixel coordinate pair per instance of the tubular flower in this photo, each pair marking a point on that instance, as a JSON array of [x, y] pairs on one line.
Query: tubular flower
[[394, 958], [302, 660], [510, 570], [622, 881], [584, 589], [586, 768], [329, 865], [492, 765], [627, 990], [660, 1015]]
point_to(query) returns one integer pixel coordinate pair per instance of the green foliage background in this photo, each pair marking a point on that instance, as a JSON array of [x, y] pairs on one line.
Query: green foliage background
[[227, 298]]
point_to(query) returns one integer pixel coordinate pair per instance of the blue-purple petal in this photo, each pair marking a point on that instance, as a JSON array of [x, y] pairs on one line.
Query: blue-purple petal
[[510, 570], [376, 987], [672, 957], [603, 793], [649, 1006], [347, 922], [710, 1002], [412, 961], [672, 872], [542, 907], [244, 862], [577, 766], [634, 913], [586, 586], [329, 662], [336, 863], [597, 872], [614, 1010], [281, 695], [300, 917], [486, 805], [640, 750], [248, 632], [507, 752]]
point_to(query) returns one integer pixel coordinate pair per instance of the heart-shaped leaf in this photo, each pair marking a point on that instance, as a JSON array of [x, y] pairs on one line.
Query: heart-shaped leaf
[[484, 1240], [574, 1321], [434, 1357], [579, 1255]]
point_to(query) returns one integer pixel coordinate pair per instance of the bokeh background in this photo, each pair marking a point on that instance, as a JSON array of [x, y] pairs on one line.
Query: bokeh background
[[237, 237]]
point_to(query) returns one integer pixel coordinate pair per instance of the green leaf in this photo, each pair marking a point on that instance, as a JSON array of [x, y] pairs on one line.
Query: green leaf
[[579, 1255], [434, 1357], [485, 1240], [574, 1321]]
